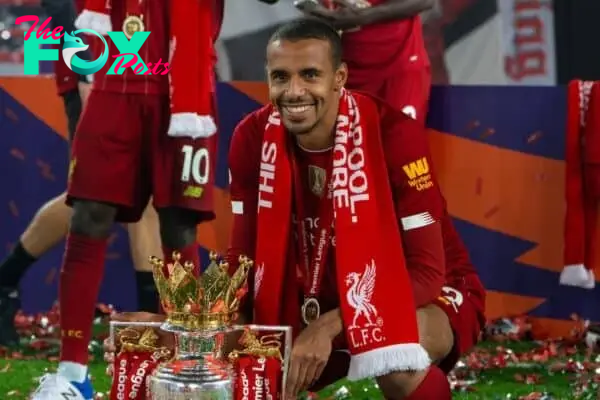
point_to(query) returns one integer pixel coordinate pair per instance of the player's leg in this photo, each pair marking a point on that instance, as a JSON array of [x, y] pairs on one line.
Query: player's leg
[[104, 182], [183, 180], [436, 336], [447, 329], [144, 241], [47, 228]]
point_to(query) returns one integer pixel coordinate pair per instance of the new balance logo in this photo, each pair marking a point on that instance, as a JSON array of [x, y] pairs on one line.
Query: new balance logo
[[417, 168], [70, 395]]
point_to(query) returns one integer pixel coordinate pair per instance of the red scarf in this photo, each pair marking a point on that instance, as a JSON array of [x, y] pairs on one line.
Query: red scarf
[[582, 183], [191, 59], [375, 290]]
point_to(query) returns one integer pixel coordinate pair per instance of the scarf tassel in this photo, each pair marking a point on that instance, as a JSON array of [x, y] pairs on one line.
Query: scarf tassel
[[188, 124], [578, 275], [385, 360], [97, 21], [581, 210]]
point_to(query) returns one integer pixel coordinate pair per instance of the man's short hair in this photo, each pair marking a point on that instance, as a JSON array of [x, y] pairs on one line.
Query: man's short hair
[[303, 29]]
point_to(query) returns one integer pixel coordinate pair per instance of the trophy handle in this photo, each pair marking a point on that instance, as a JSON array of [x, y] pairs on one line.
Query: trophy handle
[[115, 325], [287, 347]]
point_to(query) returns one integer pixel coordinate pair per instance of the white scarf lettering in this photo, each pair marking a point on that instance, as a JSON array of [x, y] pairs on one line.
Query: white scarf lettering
[[266, 175], [349, 181], [122, 379], [138, 379], [259, 380]]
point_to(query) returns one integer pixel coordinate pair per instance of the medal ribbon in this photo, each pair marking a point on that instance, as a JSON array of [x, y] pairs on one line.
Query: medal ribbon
[[134, 7], [313, 262]]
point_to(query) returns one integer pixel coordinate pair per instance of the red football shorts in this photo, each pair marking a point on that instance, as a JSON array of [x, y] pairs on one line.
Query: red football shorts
[[407, 91], [122, 155], [465, 313]]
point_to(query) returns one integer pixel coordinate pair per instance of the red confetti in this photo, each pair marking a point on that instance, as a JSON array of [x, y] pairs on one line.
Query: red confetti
[[534, 137], [49, 279], [473, 125], [111, 239], [491, 212], [113, 256], [10, 114], [479, 186], [14, 210], [16, 153], [487, 133], [45, 169]]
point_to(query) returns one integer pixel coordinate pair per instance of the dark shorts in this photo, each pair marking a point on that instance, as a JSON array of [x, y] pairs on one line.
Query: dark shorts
[[122, 155], [466, 315], [73, 106]]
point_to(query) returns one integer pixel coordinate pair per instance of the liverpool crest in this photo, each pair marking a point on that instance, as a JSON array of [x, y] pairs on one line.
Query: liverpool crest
[[316, 180]]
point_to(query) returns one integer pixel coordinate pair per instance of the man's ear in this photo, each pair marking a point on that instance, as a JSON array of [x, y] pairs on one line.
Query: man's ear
[[341, 76]]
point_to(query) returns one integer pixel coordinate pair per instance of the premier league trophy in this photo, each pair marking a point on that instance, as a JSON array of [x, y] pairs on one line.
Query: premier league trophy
[[200, 314]]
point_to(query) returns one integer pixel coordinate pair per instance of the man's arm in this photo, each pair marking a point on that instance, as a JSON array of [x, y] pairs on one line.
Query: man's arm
[[244, 158], [393, 10], [419, 203], [63, 13]]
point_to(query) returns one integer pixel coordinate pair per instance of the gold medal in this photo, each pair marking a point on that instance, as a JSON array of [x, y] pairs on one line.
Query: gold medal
[[311, 310], [133, 24]]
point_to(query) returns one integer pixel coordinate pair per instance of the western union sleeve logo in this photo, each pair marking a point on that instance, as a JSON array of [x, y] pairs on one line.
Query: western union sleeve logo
[[418, 174], [416, 168]]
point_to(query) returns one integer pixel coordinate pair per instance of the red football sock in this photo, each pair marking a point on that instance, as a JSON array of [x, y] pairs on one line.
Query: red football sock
[[435, 386], [80, 279], [188, 254]]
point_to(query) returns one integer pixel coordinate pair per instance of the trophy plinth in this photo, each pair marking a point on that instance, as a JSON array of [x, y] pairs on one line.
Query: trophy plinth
[[198, 370], [199, 312]]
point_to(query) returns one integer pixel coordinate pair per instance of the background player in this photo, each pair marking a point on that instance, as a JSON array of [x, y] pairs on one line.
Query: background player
[[135, 140], [50, 224], [383, 48]]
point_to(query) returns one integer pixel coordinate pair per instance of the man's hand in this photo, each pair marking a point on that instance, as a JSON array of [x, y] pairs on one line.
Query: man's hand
[[165, 339], [345, 16], [310, 353]]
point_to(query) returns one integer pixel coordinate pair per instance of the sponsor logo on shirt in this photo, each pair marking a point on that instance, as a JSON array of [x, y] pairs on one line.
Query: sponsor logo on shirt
[[419, 176], [195, 192]]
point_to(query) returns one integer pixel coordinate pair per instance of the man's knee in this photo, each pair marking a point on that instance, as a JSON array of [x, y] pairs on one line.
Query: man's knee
[[177, 227], [92, 219], [436, 336], [435, 332]]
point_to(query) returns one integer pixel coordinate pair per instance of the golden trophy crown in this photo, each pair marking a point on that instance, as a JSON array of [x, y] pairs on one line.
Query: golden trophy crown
[[208, 302]]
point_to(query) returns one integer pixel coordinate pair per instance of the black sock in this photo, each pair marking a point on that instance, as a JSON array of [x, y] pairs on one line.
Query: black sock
[[14, 267], [146, 292]]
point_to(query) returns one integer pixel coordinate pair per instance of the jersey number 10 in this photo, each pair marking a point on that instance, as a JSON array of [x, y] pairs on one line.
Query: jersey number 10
[[196, 164]]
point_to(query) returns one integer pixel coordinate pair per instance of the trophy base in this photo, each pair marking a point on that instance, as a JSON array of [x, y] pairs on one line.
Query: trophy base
[[201, 378]]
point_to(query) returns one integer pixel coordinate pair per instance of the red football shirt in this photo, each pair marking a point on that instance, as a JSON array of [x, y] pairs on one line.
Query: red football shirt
[[156, 48], [413, 185], [383, 50]]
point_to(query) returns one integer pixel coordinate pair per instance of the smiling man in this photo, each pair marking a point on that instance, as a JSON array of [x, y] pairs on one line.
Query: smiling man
[[348, 182]]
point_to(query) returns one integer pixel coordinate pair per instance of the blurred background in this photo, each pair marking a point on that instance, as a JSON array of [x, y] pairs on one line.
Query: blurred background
[[470, 42], [497, 110], [497, 113]]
